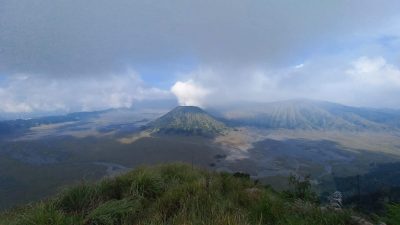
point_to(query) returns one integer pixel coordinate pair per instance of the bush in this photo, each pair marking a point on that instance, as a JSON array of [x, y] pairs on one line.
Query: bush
[[392, 215], [44, 214], [79, 199], [179, 194], [115, 188], [147, 184], [114, 212], [179, 173], [269, 210], [300, 188]]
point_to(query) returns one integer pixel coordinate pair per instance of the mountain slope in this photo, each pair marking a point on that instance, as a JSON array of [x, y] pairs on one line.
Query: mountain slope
[[188, 120], [312, 115], [9, 127], [175, 194]]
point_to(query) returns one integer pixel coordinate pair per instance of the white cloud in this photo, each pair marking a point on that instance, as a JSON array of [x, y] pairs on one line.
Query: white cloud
[[299, 66], [213, 86], [365, 81], [272, 53], [374, 71], [24, 94], [190, 93]]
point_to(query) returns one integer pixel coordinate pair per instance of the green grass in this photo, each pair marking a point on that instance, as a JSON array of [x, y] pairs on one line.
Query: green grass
[[392, 214], [173, 194]]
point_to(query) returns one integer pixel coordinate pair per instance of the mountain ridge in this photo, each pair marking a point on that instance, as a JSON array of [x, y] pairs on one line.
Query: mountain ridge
[[312, 115], [190, 120], [176, 194]]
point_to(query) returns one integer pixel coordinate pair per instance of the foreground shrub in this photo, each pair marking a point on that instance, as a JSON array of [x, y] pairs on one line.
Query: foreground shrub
[[178, 194], [117, 188], [79, 199], [114, 212], [44, 214], [393, 214], [300, 188], [147, 184]]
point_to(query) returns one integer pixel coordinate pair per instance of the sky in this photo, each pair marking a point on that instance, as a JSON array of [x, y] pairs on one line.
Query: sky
[[65, 56]]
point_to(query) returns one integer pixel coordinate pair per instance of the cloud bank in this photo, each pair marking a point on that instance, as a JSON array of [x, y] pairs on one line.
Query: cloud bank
[[74, 55], [67, 38], [27, 94], [358, 82]]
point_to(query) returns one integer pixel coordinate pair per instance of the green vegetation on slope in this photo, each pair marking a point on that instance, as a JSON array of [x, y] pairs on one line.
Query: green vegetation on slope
[[175, 194], [393, 214], [188, 120]]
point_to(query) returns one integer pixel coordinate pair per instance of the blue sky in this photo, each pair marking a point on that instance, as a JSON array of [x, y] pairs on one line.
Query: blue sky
[[63, 56]]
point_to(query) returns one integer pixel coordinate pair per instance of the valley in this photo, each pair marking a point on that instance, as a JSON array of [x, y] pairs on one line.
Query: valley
[[39, 161]]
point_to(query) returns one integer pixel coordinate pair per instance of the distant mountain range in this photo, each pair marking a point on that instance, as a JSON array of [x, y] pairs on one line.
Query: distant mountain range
[[8, 127], [293, 114], [88, 145], [311, 115], [188, 120]]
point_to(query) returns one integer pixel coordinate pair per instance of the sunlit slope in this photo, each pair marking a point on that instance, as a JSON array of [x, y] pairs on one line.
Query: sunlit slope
[[312, 115]]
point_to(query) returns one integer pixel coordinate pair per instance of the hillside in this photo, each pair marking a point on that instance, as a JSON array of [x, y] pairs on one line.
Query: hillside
[[188, 120], [9, 127], [176, 194], [312, 115]]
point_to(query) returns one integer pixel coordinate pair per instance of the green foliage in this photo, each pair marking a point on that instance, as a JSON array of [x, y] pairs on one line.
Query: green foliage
[[147, 184], [175, 194], [393, 214], [277, 211], [179, 173], [113, 188], [300, 188], [78, 199], [268, 211], [44, 214], [114, 212]]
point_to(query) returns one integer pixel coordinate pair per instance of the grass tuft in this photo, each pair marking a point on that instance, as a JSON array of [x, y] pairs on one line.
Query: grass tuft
[[175, 194], [80, 199], [393, 214], [114, 212]]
